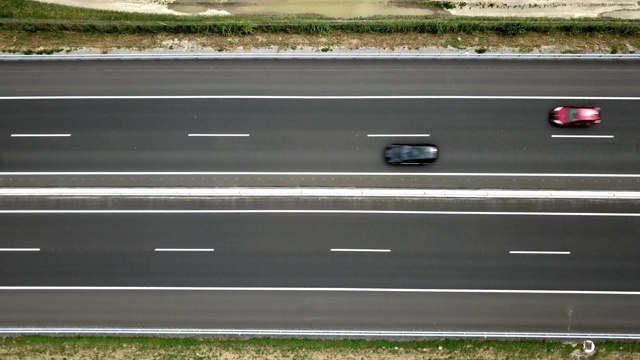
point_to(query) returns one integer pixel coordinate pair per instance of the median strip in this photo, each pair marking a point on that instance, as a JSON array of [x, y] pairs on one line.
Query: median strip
[[321, 192]]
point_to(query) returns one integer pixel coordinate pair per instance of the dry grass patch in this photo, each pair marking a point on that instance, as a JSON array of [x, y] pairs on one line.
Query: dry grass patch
[[17, 41]]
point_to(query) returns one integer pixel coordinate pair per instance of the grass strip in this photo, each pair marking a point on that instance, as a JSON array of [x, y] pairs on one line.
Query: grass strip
[[229, 26], [41, 347]]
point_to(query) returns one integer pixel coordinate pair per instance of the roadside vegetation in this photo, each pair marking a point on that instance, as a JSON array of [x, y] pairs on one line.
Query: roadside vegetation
[[70, 348], [31, 27]]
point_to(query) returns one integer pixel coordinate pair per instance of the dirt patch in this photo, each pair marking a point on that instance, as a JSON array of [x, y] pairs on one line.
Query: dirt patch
[[543, 8], [16, 41], [139, 6]]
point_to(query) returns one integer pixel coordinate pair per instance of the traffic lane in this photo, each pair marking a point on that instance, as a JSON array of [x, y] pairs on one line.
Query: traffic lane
[[321, 77], [356, 116], [316, 136], [321, 311], [425, 251], [318, 152]]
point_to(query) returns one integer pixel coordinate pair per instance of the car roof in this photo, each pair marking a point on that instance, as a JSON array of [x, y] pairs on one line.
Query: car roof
[[587, 113]]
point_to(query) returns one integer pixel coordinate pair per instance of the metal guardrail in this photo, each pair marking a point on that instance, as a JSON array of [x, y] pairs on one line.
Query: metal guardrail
[[312, 333], [316, 55]]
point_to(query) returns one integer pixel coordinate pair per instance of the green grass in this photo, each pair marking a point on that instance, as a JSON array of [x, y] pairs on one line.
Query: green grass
[[41, 347], [512, 347]]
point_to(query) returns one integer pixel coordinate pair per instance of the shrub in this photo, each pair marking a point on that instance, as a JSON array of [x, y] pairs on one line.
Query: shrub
[[441, 4]]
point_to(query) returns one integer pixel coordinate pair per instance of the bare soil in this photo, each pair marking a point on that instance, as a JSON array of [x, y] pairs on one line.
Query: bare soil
[[17, 41]]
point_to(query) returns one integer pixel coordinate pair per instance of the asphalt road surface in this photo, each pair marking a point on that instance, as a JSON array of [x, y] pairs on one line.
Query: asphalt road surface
[[541, 266], [449, 265], [325, 135], [321, 77]]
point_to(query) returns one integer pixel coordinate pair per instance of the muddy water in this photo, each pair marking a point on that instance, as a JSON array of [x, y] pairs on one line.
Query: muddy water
[[623, 14], [329, 8]]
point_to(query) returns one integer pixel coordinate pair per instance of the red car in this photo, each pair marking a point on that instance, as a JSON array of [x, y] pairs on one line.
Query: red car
[[575, 115]]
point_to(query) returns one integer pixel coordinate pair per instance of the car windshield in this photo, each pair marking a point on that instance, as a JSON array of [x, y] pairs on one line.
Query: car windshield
[[572, 114], [412, 152]]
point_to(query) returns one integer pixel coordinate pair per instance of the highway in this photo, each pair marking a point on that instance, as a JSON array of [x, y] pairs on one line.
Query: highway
[[248, 133], [450, 265], [310, 135], [270, 249], [368, 264]]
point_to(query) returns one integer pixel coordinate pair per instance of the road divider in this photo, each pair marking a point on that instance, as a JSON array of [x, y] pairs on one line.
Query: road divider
[[349, 55], [319, 192]]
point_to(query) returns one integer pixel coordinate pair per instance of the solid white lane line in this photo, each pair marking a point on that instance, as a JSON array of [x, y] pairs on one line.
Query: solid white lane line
[[361, 250], [317, 289], [323, 192], [180, 250], [584, 136], [541, 252], [314, 97], [19, 249], [363, 212], [318, 332], [219, 135], [397, 135], [302, 173], [40, 135]]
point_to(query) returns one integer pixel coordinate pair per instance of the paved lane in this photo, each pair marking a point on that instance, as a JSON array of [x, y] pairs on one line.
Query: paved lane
[[321, 77], [457, 252], [316, 136], [328, 310], [310, 135], [426, 250]]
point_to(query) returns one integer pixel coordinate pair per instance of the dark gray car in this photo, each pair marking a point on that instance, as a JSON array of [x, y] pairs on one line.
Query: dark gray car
[[410, 154]]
